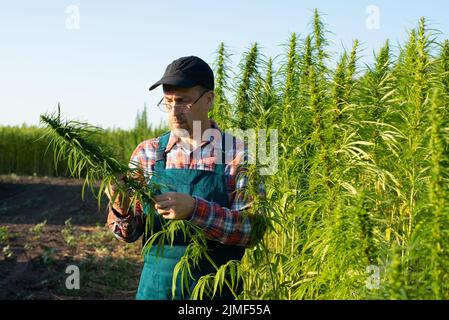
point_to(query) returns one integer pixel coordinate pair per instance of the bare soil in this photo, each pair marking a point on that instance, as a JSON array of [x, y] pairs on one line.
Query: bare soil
[[46, 227]]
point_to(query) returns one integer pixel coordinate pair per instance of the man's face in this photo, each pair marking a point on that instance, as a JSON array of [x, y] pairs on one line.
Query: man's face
[[180, 117]]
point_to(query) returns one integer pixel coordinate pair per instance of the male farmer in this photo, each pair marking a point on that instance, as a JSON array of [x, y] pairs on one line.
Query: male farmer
[[202, 179]]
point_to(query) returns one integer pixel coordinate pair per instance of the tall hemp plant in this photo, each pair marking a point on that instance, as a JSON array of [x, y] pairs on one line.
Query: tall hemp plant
[[221, 110]]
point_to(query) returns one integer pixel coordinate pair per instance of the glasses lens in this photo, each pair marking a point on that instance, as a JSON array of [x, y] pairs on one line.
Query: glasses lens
[[164, 107]]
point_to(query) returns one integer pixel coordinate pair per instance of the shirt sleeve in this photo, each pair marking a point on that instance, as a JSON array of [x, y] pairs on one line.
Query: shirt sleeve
[[127, 228], [234, 225], [130, 227]]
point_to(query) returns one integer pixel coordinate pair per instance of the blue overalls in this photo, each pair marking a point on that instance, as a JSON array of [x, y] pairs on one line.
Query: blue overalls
[[156, 277]]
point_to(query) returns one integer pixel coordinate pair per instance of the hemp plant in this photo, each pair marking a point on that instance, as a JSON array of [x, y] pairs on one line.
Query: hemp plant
[[74, 141]]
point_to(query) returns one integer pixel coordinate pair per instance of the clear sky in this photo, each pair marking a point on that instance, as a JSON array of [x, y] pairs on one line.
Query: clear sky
[[100, 66]]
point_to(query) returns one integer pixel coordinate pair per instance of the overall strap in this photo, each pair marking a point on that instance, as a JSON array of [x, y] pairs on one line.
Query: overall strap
[[161, 155], [220, 166]]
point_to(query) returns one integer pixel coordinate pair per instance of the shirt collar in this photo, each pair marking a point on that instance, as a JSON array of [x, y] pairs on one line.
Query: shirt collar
[[175, 139]]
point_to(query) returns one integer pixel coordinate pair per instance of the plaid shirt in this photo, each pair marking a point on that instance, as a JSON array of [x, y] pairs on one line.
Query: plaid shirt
[[226, 225]]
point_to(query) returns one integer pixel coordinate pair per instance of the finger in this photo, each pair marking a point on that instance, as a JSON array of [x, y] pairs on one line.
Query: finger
[[162, 197], [163, 204], [164, 212], [169, 215]]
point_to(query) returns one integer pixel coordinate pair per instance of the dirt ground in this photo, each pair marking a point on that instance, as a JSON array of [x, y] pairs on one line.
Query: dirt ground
[[45, 227]]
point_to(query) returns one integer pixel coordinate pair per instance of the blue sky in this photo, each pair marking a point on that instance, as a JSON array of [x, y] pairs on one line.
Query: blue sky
[[101, 72]]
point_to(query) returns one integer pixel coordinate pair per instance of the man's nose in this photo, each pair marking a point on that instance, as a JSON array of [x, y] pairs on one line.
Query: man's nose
[[176, 109]]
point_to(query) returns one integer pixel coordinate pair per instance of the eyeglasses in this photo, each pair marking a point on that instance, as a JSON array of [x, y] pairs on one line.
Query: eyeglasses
[[166, 107]]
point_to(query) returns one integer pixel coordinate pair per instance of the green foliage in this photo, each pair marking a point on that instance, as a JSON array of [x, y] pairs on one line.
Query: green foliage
[[362, 182], [221, 108], [245, 90], [48, 255], [72, 140], [17, 141], [4, 234], [7, 252], [39, 159], [38, 229], [68, 233]]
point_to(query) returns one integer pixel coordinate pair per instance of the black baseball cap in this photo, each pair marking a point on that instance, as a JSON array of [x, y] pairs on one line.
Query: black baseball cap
[[187, 72]]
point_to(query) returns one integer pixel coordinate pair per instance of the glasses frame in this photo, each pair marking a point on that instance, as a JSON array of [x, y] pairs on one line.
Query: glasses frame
[[164, 106]]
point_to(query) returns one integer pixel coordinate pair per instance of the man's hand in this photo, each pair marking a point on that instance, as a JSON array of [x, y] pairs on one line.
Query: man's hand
[[174, 205], [118, 205]]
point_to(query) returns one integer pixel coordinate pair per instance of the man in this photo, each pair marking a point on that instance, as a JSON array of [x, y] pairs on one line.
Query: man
[[203, 182]]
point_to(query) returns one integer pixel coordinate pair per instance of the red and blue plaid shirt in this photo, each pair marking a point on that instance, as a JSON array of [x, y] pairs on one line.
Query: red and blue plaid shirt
[[226, 225]]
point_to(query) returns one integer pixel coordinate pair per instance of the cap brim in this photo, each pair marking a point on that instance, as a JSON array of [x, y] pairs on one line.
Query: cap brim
[[175, 81]]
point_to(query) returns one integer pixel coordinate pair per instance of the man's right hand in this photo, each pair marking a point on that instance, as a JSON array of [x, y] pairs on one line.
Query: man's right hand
[[111, 190]]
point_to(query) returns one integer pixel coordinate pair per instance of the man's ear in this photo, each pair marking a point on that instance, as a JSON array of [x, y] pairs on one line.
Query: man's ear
[[210, 99]]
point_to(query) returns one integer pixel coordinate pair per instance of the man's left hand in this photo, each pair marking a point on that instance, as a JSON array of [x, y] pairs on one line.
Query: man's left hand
[[174, 205]]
